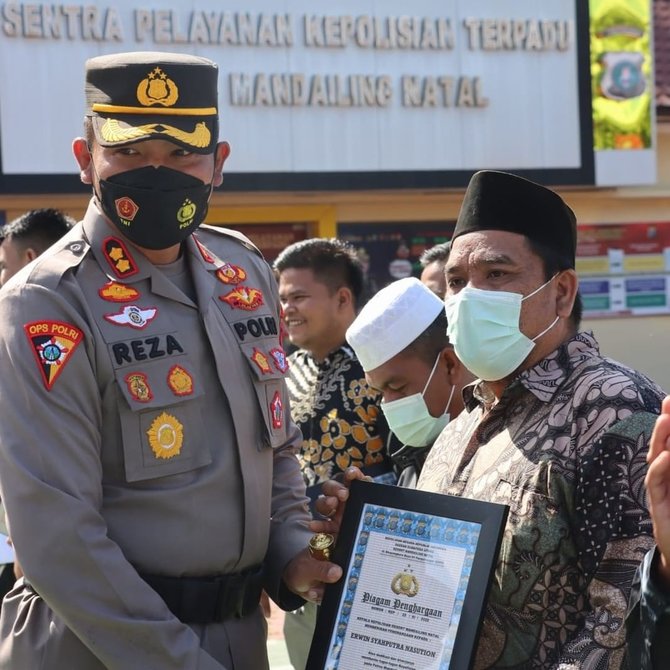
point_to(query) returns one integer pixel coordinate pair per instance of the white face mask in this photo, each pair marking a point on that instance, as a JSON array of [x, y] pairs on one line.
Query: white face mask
[[484, 329], [410, 420]]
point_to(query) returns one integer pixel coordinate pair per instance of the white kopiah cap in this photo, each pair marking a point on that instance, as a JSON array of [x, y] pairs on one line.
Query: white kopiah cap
[[391, 320]]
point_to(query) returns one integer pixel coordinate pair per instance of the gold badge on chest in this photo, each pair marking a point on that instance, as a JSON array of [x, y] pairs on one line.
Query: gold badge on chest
[[166, 436]]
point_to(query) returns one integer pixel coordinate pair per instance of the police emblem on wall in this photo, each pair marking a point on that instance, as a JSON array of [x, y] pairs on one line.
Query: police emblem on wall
[[166, 436], [180, 381], [243, 297], [133, 316], [119, 258], [138, 386], [623, 78], [53, 343]]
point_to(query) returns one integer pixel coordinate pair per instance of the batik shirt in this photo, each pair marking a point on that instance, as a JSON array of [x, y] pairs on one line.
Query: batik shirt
[[565, 448], [648, 621], [338, 414]]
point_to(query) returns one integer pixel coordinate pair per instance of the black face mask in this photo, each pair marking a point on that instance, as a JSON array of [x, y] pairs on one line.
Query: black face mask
[[155, 208]]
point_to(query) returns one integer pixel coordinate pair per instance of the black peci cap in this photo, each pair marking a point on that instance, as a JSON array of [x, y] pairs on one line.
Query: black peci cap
[[144, 95], [502, 201]]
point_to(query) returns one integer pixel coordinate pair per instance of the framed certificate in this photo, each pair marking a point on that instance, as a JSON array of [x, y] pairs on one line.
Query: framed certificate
[[417, 569]]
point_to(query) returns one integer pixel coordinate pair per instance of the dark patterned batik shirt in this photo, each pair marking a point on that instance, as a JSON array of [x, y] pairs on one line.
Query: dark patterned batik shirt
[[565, 448], [339, 416]]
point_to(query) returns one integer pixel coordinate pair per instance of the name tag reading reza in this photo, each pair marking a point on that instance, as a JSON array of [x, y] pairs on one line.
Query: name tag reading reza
[[417, 568]]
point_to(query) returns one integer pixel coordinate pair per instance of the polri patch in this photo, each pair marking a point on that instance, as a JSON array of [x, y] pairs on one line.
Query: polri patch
[[279, 359], [277, 411], [53, 344], [119, 258], [180, 381], [133, 316], [231, 274], [261, 361], [115, 292], [166, 436], [243, 297], [138, 386]]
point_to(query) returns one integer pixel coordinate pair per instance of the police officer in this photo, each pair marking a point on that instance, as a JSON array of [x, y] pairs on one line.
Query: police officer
[[147, 455]]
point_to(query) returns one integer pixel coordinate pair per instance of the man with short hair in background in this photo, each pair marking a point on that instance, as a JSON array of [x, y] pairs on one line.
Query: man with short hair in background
[[320, 285], [433, 261], [29, 235]]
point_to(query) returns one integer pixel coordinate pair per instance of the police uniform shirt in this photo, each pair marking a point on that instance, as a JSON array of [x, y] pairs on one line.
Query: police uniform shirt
[[143, 432]]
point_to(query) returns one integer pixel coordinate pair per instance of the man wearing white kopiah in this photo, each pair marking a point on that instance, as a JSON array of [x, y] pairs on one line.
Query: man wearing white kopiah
[[551, 428], [400, 339]]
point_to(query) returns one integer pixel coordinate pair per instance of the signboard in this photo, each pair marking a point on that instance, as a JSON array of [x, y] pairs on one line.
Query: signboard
[[316, 96], [624, 268]]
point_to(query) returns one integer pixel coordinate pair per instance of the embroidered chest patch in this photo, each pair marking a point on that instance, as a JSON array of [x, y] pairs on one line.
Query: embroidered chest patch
[[279, 359], [166, 436], [132, 316], [277, 411], [231, 274], [261, 361], [53, 344], [138, 386], [180, 381], [243, 297], [115, 292]]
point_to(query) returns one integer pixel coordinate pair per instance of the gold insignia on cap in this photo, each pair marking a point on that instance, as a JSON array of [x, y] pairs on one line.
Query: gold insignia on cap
[[111, 131], [166, 435], [157, 89]]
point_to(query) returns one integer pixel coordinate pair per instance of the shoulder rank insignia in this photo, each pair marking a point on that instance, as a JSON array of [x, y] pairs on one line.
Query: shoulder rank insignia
[[133, 316], [119, 259], [204, 252], [115, 292], [279, 359], [139, 387], [243, 297], [231, 274], [277, 411], [261, 361], [53, 343], [180, 381], [166, 436]]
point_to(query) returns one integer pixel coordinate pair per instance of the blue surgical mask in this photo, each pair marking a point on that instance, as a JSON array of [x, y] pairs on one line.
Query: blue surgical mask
[[484, 329], [409, 418]]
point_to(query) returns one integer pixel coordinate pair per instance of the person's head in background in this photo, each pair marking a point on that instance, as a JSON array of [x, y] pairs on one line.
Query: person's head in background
[[433, 261], [320, 284], [400, 338], [27, 236]]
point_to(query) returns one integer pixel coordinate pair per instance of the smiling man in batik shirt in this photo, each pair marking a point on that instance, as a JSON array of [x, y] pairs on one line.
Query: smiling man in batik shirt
[[320, 284], [552, 429]]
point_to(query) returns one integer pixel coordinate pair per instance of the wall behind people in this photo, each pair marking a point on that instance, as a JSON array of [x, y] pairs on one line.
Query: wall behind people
[[639, 342]]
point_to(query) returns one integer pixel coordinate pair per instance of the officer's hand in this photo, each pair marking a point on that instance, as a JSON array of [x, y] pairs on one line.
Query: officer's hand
[[332, 502], [306, 576], [658, 488]]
